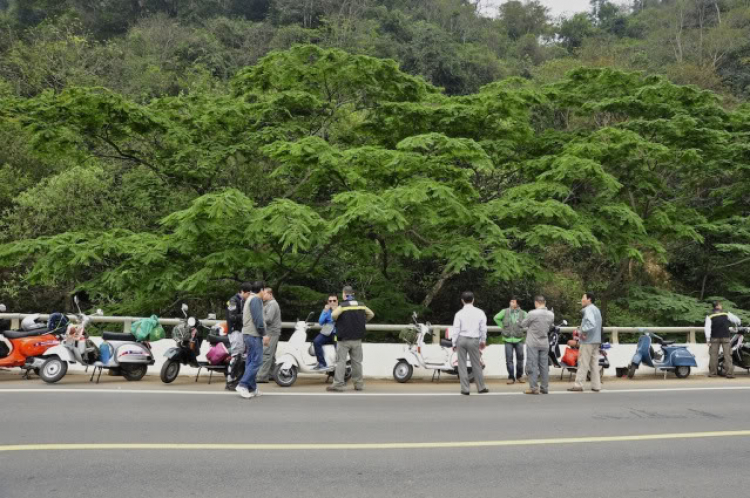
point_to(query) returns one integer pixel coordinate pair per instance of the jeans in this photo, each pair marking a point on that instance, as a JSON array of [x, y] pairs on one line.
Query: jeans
[[269, 359], [713, 356], [537, 364], [588, 359], [352, 349], [510, 347], [318, 343], [254, 347], [469, 346]]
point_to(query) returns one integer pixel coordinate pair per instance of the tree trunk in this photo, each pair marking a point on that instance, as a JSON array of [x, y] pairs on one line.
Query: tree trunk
[[437, 287]]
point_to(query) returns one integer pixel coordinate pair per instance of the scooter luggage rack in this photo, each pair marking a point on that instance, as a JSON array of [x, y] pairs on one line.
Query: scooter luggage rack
[[211, 369]]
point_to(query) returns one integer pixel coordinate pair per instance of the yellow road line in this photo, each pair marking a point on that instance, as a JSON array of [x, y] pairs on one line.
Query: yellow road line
[[367, 446]]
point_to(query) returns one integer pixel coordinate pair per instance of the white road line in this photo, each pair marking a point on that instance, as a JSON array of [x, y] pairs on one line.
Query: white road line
[[354, 394]]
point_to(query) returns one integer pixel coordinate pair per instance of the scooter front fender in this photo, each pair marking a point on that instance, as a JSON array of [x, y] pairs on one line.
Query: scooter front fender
[[683, 358], [62, 352], [174, 354], [287, 361], [409, 358]]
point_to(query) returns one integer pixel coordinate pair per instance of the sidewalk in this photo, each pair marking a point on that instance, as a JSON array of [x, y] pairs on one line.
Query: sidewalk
[[448, 384]]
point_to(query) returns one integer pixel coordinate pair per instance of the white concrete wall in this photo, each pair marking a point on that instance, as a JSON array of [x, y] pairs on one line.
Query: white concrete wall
[[379, 359]]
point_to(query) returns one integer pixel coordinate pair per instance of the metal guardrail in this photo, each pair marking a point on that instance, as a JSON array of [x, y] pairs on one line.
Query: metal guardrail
[[126, 321]]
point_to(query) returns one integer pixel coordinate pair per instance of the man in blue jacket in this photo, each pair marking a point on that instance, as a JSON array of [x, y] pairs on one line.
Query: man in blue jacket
[[326, 321], [591, 341]]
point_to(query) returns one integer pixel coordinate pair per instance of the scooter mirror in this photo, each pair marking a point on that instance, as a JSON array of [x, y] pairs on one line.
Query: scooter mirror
[[2, 308], [184, 308], [75, 300], [191, 322], [99, 312], [212, 316], [564, 322]]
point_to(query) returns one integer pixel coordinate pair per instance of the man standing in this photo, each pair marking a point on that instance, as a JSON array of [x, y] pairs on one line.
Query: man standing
[[272, 317], [591, 341], [254, 334], [513, 336], [351, 317], [717, 334], [469, 336], [537, 325], [235, 306]]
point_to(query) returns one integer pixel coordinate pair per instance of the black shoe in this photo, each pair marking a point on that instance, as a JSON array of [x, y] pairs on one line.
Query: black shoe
[[484, 391], [261, 381], [465, 393]]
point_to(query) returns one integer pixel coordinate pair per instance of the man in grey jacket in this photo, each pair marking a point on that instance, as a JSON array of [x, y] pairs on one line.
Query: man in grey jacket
[[272, 317], [254, 334], [537, 324], [591, 341]]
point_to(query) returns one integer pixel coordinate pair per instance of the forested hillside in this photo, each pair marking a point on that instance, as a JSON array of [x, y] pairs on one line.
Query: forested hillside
[[160, 151]]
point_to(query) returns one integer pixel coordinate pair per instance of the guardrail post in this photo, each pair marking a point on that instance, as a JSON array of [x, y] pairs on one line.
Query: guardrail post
[[126, 326], [15, 324], [614, 336], [435, 335], [691, 337]]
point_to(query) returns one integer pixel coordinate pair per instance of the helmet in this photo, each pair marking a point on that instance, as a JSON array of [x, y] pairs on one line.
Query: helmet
[[29, 323]]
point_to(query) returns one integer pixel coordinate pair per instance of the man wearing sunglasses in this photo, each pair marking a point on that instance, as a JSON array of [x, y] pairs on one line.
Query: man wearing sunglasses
[[328, 334]]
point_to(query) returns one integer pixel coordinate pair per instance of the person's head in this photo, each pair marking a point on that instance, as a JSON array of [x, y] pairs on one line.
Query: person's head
[[257, 288], [347, 292], [267, 294], [717, 306], [467, 297], [513, 302], [540, 301], [245, 289], [333, 300], [588, 298]]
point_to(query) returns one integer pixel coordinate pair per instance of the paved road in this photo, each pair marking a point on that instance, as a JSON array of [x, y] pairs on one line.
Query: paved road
[[618, 463]]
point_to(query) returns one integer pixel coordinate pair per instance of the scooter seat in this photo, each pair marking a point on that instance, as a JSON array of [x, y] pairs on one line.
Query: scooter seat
[[216, 339], [18, 334], [446, 343], [667, 343], [118, 336]]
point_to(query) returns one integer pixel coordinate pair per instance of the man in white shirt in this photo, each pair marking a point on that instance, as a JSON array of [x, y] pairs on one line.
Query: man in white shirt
[[469, 336]]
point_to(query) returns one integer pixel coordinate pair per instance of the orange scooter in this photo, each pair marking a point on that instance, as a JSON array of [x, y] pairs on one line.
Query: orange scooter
[[24, 348]]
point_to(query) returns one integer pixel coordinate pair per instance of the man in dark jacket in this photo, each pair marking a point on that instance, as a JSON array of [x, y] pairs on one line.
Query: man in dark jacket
[[351, 317], [718, 335], [234, 329]]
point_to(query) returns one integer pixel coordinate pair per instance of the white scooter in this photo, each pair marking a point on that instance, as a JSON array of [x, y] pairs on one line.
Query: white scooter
[[120, 353], [299, 357], [446, 361]]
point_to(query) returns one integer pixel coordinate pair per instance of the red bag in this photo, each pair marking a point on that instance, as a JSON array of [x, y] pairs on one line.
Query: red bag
[[218, 354], [570, 357]]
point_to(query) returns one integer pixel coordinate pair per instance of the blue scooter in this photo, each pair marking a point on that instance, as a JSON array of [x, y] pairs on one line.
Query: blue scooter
[[667, 358]]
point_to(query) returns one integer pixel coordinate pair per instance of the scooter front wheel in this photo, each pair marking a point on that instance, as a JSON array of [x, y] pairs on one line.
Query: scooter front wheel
[[682, 372], [169, 371], [285, 378], [403, 371], [53, 370], [631, 370]]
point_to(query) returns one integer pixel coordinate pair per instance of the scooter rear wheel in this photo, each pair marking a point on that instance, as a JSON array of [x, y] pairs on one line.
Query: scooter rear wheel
[[53, 370], [169, 371], [133, 372], [682, 372]]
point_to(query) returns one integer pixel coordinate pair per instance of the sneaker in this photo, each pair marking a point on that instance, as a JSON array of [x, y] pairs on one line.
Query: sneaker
[[465, 393], [244, 392], [520, 380], [334, 389], [359, 388], [511, 381], [531, 391], [575, 389], [596, 390], [484, 391], [730, 376], [255, 394], [321, 367], [544, 391]]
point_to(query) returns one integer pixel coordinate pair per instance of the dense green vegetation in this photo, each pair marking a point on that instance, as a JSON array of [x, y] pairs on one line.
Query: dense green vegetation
[[159, 151]]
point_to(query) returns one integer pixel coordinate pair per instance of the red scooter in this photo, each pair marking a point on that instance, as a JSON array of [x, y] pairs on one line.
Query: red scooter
[[24, 348]]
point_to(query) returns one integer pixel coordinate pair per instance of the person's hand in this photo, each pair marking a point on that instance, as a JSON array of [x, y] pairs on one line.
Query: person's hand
[[266, 341], [328, 306], [482, 345]]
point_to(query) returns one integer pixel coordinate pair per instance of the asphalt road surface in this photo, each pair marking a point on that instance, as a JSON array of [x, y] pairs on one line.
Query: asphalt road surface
[[687, 439]]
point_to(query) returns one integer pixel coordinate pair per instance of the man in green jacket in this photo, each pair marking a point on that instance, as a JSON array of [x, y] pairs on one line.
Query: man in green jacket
[[513, 336]]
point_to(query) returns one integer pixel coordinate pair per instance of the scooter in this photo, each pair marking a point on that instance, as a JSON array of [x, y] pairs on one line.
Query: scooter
[[24, 348], [667, 358], [189, 337], [740, 352], [554, 344], [445, 362], [120, 353], [300, 358], [571, 369]]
